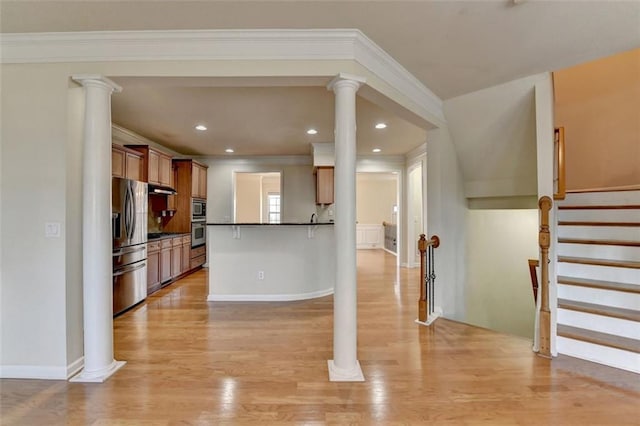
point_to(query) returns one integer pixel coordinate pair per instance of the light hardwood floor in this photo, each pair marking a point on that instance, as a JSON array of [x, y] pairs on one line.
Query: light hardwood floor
[[193, 362]]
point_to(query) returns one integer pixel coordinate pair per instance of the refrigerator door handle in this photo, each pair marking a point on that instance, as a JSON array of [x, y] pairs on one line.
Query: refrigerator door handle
[[128, 251], [128, 212], [129, 269], [135, 213]]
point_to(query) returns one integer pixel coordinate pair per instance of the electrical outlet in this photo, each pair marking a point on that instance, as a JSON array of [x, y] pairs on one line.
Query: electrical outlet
[[52, 229], [261, 275]]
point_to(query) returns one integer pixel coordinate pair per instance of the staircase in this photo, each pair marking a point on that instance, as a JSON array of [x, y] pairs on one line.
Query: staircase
[[599, 277]]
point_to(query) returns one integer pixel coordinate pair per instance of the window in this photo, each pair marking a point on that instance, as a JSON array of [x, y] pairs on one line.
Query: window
[[274, 208]]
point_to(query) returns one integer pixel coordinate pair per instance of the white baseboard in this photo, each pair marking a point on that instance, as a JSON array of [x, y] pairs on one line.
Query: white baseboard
[[389, 251], [268, 297], [33, 372], [75, 367]]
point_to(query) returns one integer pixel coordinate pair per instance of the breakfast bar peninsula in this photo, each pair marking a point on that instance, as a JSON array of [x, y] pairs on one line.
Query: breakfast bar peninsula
[[270, 262]]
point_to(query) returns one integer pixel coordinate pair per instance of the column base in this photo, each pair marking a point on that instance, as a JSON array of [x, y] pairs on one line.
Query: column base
[[98, 376], [337, 374], [430, 319]]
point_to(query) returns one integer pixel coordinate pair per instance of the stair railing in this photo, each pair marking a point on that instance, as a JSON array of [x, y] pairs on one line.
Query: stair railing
[[533, 264], [544, 240], [426, 314], [559, 174]]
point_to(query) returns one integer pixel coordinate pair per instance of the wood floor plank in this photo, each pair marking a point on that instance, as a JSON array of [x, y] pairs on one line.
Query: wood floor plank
[[218, 363]]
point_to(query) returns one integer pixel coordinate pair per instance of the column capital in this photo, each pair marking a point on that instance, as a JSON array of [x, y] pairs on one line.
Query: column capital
[[96, 80], [344, 78]]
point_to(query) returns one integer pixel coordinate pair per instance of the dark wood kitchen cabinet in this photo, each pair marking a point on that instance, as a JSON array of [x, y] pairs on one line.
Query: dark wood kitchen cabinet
[[126, 163], [187, 173], [153, 267], [176, 257], [186, 253], [165, 260], [156, 165], [198, 180]]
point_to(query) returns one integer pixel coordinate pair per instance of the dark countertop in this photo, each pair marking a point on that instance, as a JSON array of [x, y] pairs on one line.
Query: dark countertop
[[163, 235], [270, 224]]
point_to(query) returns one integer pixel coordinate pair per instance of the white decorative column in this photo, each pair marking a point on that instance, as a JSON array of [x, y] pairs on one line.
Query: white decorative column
[[344, 367], [97, 283]]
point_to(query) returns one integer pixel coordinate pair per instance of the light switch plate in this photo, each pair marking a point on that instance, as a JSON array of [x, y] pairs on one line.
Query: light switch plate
[[52, 229]]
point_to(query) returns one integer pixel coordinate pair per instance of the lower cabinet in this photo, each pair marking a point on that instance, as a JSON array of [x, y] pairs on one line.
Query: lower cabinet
[[153, 267], [198, 256], [169, 258], [165, 260], [186, 253], [176, 256]]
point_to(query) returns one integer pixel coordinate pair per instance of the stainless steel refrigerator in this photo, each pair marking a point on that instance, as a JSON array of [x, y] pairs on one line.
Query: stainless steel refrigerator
[[129, 227]]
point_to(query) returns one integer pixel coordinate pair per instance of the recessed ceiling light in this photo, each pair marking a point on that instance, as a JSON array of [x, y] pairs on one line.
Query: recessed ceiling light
[[381, 126], [229, 151], [312, 132], [376, 150], [201, 127]]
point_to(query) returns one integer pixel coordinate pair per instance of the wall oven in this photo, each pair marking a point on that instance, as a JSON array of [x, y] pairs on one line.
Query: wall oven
[[198, 233], [198, 210]]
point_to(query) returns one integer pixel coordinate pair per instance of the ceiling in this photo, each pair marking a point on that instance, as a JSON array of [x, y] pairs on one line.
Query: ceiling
[[452, 47], [249, 120]]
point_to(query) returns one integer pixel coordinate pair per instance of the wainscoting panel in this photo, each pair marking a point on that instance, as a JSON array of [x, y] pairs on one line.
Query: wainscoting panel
[[369, 236]]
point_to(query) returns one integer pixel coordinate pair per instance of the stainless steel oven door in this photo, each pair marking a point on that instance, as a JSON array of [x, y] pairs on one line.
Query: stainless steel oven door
[[198, 234]]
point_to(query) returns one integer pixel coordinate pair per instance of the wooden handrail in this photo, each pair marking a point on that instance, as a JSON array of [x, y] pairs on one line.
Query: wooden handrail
[[544, 240], [426, 277], [533, 264], [559, 168]]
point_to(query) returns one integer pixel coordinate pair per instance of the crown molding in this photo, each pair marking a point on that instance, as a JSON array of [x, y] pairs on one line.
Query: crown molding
[[256, 45]]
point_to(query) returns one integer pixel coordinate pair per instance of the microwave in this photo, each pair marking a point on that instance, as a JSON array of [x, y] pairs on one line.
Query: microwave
[[198, 210]]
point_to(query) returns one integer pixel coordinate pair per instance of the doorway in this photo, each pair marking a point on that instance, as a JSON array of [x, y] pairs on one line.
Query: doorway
[[415, 213], [377, 211]]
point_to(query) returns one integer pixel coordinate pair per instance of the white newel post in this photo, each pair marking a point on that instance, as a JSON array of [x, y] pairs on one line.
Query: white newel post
[[97, 284], [344, 367]]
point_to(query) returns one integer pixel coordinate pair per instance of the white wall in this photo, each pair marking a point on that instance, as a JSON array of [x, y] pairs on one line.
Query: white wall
[[298, 186], [35, 271], [494, 131], [376, 194], [446, 217], [498, 292]]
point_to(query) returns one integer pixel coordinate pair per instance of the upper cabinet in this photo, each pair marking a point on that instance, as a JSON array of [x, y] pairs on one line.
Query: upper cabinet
[[198, 180], [324, 185], [156, 167], [126, 163]]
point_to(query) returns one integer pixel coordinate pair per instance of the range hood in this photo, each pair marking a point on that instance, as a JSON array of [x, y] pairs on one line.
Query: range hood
[[161, 190]]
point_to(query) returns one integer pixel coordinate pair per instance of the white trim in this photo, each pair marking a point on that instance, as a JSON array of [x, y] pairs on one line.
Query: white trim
[[258, 44], [390, 252], [268, 297], [128, 137], [337, 374], [99, 376], [416, 155], [40, 371], [75, 367], [92, 79]]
